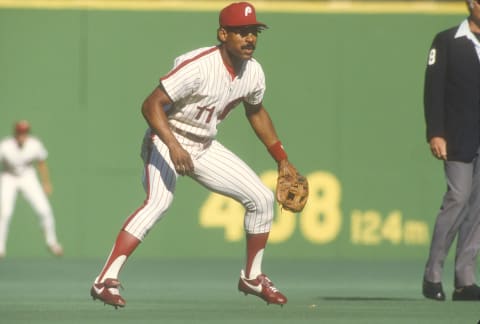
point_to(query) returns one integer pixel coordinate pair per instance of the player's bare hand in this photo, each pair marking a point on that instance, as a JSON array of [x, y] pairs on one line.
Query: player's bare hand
[[438, 146], [47, 187], [182, 161]]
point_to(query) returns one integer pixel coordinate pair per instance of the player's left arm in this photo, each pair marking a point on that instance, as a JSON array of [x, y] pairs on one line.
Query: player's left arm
[[45, 176], [263, 126], [292, 187]]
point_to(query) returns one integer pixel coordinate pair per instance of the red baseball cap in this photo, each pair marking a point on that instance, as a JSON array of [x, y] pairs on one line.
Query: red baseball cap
[[239, 14], [22, 127]]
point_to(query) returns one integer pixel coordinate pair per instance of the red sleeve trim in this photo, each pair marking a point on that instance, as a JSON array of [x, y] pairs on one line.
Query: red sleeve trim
[[196, 57]]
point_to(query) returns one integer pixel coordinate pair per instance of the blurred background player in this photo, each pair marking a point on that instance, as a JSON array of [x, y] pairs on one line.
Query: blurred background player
[[18, 156], [452, 112], [183, 112]]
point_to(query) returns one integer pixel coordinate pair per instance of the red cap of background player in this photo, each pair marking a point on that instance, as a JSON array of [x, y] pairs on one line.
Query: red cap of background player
[[22, 126], [239, 14]]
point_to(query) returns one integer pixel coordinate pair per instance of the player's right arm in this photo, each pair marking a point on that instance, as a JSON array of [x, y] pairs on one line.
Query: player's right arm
[[154, 113]]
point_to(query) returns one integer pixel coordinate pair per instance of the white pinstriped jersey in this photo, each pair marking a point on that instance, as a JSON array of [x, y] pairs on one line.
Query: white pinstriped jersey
[[204, 90]]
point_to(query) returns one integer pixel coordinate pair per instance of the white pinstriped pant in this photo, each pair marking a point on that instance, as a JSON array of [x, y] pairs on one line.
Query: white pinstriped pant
[[216, 168]]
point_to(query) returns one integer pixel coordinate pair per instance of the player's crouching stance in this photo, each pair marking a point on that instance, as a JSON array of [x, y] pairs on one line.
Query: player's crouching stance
[[182, 113]]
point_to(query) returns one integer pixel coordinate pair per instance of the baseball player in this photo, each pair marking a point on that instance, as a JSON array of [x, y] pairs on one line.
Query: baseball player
[[18, 155], [183, 112]]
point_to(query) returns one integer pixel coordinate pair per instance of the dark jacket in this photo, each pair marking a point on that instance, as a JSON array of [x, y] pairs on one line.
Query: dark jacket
[[452, 94]]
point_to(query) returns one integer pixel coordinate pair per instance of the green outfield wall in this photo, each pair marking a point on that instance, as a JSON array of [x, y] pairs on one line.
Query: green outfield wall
[[343, 88]]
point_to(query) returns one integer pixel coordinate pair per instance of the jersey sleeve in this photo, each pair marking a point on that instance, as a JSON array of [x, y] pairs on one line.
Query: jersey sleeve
[[41, 151], [258, 79], [434, 87], [182, 81]]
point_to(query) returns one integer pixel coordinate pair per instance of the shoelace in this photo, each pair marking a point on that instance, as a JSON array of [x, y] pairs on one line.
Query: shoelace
[[267, 283], [113, 288], [114, 291]]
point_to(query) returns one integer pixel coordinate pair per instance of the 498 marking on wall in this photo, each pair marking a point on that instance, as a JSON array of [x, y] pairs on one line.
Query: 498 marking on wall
[[321, 220]]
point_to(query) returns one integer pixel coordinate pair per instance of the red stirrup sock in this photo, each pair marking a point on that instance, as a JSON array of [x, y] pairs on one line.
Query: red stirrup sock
[[124, 246], [255, 245]]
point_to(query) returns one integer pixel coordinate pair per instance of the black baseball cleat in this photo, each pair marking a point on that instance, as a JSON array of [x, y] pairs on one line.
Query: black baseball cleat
[[471, 292], [433, 290]]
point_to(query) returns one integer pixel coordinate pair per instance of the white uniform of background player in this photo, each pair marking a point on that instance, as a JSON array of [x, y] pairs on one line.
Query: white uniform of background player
[[18, 156], [183, 113]]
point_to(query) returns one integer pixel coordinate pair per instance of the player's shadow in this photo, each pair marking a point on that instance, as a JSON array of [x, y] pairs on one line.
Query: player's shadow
[[355, 298]]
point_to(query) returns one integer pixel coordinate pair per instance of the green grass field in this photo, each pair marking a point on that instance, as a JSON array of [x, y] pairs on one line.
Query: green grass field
[[194, 291]]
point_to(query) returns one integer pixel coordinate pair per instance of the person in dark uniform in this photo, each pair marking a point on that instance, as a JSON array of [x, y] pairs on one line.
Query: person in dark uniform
[[452, 113]]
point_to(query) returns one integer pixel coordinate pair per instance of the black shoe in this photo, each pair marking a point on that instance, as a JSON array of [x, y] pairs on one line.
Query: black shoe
[[433, 290], [471, 292]]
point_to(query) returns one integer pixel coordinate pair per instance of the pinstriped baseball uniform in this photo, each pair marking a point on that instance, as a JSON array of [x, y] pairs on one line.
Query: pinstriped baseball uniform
[[201, 102]]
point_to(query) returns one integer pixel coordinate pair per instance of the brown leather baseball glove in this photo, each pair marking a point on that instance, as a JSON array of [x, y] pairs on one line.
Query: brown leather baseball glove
[[292, 187]]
